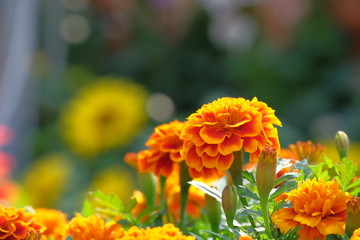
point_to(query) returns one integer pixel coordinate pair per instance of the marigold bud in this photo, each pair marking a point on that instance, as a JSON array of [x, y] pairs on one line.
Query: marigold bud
[[213, 211], [352, 215], [229, 203], [266, 171], [342, 143]]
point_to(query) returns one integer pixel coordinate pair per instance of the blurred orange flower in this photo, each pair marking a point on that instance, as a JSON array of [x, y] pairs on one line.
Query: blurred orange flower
[[164, 150], [227, 125], [94, 227], [318, 208], [245, 238], [314, 153], [54, 221], [16, 223]]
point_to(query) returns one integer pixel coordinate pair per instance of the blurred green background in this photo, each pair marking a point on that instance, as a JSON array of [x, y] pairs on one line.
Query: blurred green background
[[301, 57]]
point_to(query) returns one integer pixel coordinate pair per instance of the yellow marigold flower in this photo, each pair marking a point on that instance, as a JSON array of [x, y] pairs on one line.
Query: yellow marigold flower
[[166, 232], [94, 227], [104, 115], [227, 125], [352, 215], [16, 223], [164, 150], [314, 153], [48, 177], [318, 208], [356, 235], [54, 221]]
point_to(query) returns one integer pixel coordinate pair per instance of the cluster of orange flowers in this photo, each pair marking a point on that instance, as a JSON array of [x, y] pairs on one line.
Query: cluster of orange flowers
[[43, 224]]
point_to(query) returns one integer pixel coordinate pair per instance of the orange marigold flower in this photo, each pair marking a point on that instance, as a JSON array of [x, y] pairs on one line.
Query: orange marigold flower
[[94, 227], [318, 208], [227, 125], [164, 150], [54, 221], [195, 202], [314, 153], [16, 223], [166, 232], [356, 235], [245, 238]]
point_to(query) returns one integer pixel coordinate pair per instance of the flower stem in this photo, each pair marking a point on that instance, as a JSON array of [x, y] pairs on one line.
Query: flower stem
[[163, 198], [236, 170], [265, 212], [184, 185]]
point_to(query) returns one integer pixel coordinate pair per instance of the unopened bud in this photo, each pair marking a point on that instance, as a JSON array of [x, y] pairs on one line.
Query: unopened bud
[[213, 211], [342, 143], [230, 203], [352, 215], [266, 171]]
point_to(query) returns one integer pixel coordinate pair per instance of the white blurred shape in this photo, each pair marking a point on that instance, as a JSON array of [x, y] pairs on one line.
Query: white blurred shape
[[74, 28], [75, 4], [160, 107], [233, 32]]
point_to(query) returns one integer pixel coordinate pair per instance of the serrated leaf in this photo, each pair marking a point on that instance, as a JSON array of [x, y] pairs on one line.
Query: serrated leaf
[[244, 212], [217, 234], [207, 189], [287, 186], [286, 177], [347, 171], [87, 209], [109, 205], [249, 176], [245, 192]]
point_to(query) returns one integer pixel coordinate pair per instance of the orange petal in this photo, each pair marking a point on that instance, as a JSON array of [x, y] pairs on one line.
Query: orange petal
[[231, 144], [311, 221], [213, 135], [193, 160], [331, 225], [210, 149], [224, 162], [208, 161], [192, 133]]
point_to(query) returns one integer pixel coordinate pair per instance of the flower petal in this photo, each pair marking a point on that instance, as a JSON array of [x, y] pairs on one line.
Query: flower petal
[[308, 220], [230, 145], [208, 161], [224, 162], [213, 135]]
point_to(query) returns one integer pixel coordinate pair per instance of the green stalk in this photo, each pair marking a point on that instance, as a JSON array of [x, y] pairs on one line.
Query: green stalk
[[236, 170], [184, 186], [265, 212], [163, 198]]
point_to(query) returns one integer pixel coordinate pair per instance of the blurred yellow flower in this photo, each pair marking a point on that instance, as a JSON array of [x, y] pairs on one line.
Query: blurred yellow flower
[[46, 177], [115, 179], [104, 115]]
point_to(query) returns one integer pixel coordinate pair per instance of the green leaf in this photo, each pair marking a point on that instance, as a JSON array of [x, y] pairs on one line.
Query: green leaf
[[286, 177], [217, 234], [87, 209], [333, 237], [346, 172], [285, 187], [245, 192], [249, 176], [246, 211], [197, 237], [207, 189], [108, 205]]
